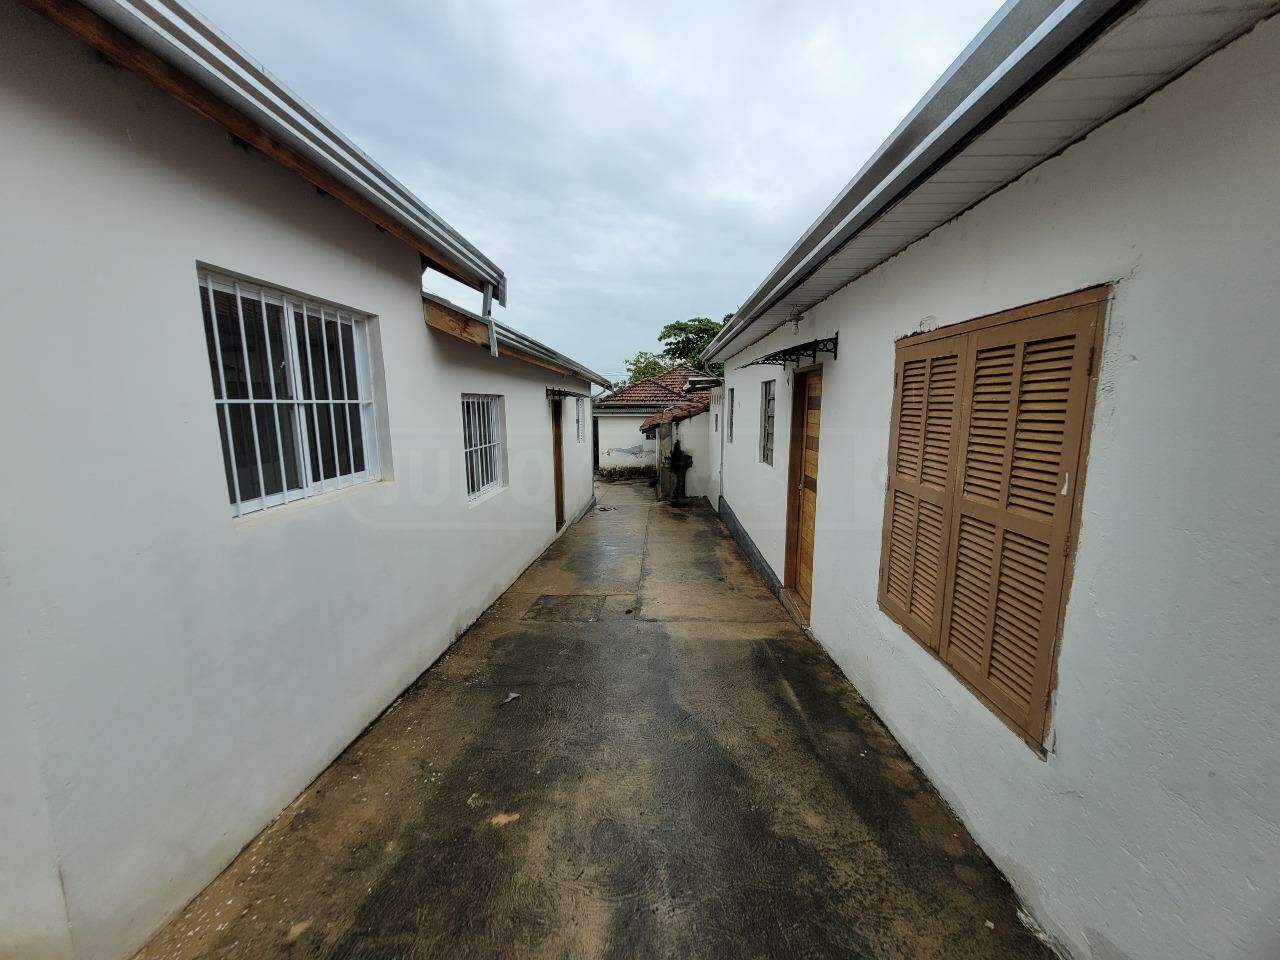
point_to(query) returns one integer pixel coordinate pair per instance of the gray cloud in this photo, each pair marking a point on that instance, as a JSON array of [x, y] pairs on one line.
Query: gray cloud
[[626, 164]]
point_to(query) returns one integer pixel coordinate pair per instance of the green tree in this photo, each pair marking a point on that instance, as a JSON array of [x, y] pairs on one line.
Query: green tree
[[644, 365], [684, 340]]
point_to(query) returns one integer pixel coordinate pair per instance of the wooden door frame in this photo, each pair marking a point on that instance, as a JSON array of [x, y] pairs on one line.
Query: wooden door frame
[[595, 444], [557, 459], [795, 474]]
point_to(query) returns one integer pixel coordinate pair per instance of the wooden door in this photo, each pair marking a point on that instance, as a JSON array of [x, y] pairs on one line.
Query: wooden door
[[806, 415], [557, 460]]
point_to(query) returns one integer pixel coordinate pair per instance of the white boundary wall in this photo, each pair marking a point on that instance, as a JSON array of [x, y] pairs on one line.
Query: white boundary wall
[[695, 439], [170, 677], [1152, 832], [622, 444]]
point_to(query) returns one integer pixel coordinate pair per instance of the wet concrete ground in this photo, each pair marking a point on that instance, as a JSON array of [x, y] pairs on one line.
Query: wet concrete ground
[[683, 775]]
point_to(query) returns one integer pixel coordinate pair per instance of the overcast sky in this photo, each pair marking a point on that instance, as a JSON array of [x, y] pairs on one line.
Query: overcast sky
[[626, 164]]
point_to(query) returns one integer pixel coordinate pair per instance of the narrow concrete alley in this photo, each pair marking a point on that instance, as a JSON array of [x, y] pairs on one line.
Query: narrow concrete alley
[[683, 774]]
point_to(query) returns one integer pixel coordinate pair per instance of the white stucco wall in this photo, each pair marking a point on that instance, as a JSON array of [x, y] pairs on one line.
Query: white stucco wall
[[579, 465], [33, 922], [172, 677], [715, 427], [1152, 831], [755, 489], [622, 444], [695, 439]]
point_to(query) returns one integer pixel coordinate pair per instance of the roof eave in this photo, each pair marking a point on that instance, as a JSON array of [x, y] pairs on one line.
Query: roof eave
[[149, 35], [1035, 45], [1022, 50], [508, 338]]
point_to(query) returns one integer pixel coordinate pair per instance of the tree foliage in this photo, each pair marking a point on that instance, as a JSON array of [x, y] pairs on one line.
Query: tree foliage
[[644, 365], [682, 342]]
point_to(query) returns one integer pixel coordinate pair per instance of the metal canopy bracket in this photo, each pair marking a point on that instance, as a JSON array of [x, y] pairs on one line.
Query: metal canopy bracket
[[804, 351], [555, 392]]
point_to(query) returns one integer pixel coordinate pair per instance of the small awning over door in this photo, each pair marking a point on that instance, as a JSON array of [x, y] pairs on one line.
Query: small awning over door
[[801, 352]]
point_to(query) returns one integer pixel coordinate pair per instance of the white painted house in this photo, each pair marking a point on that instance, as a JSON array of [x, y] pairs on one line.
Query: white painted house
[[618, 439], [256, 483], [620, 415], [1062, 263]]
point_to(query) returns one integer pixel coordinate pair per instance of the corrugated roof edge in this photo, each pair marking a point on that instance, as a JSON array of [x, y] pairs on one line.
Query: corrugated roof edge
[[510, 337], [1009, 55], [191, 44]]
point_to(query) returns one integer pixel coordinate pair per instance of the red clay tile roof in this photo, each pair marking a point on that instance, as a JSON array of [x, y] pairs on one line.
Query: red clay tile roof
[[663, 389], [678, 376], [683, 411]]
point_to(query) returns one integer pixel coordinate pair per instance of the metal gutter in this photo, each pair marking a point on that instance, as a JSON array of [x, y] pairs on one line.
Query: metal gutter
[[509, 337], [191, 44], [632, 410], [1040, 77], [998, 38], [1013, 50]]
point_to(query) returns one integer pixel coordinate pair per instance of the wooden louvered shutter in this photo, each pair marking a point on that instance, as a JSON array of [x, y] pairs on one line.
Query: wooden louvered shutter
[[985, 465], [923, 449], [1025, 387]]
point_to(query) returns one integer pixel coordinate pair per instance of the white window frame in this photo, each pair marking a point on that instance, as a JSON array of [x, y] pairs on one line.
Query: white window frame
[[484, 459], [768, 419], [577, 404], [210, 282]]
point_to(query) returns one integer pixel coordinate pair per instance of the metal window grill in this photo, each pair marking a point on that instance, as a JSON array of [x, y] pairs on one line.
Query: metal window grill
[[482, 442], [766, 421], [292, 387], [578, 411]]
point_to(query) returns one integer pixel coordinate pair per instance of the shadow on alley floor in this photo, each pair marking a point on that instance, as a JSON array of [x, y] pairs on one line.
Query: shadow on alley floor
[[683, 775]]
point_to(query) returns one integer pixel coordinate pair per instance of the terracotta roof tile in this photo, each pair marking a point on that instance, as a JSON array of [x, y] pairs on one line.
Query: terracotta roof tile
[[683, 411], [667, 387]]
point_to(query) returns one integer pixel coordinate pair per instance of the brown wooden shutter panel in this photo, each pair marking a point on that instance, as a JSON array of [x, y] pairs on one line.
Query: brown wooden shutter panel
[[1027, 387], [917, 508], [985, 452]]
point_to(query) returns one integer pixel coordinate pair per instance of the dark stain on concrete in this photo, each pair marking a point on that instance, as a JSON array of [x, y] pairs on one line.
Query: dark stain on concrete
[[675, 786], [566, 609]]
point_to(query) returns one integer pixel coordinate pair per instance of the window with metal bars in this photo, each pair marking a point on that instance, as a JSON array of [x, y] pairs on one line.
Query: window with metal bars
[[293, 394], [577, 404], [482, 442], [766, 421], [728, 431]]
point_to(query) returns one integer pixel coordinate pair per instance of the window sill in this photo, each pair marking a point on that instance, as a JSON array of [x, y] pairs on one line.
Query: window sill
[[288, 508], [486, 496]]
